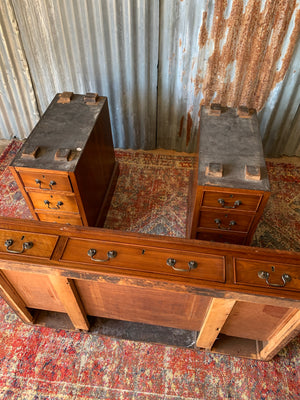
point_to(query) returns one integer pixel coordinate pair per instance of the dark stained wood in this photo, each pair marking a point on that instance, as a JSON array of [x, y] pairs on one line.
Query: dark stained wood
[[76, 156], [234, 143]]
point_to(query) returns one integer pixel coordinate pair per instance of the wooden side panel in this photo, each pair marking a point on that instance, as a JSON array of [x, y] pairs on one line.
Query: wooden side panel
[[253, 321], [217, 313], [147, 305], [286, 331], [9, 293], [36, 290]]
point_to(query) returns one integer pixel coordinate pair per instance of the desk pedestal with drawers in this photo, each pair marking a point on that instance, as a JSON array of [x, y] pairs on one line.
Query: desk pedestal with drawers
[[231, 186]]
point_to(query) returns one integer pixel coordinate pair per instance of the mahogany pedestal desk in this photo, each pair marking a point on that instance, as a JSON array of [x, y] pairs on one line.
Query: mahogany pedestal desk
[[66, 169], [231, 187], [230, 299]]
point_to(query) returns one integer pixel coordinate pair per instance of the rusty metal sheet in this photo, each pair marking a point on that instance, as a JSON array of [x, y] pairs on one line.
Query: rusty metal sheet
[[230, 52]]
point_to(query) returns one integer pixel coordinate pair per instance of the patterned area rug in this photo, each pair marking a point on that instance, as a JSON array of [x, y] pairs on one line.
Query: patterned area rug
[[151, 197]]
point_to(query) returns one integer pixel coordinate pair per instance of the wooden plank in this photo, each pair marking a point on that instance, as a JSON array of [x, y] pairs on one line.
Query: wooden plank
[[68, 295], [13, 299], [288, 329], [218, 312]]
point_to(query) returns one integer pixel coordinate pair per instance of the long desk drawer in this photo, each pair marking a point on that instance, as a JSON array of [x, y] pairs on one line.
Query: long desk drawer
[[138, 258]]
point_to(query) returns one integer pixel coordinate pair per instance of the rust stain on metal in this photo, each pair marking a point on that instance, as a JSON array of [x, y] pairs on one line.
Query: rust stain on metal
[[181, 126], [189, 125], [243, 70], [279, 75], [203, 35]]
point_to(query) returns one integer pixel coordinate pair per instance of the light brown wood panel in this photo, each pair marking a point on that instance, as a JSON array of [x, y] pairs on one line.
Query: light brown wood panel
[[228, 221], [9, 293], [67, 293], [223, 237], [248, 202], [38, 199], [253, 321], [61, 218], [216, 315], [29, 177], [145, 258], [146, 305], [247, 272], [35, 290], [43, 244]]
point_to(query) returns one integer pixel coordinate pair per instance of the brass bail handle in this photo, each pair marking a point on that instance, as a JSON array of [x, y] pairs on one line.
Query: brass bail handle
[[110, 254], [224, 227], [26, 246], [171, 262], [57, 207], [265, 275], [236, 204], [39, 182]]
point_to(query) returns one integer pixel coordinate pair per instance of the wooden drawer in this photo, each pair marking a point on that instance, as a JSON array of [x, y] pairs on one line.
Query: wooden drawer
[[41, 245], [223, 237], [45, 181], [60, 218], [225, 221], [272, 274], [40, 199], [151, 260], [225, 200]]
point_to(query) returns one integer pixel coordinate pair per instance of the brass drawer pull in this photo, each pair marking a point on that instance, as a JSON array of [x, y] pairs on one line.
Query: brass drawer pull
[[110, 254], [9, 242], [223, 227], [39, 182], [171, 262], [265, 275], [236, 204], [57, 207]]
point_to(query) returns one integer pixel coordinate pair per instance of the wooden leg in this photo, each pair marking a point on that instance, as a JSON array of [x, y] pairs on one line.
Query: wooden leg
[[217, 313], [10, 295], [67, 293], [289, 328]]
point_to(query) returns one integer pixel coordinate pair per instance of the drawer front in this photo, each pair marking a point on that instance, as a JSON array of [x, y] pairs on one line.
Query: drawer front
[[27, 243], [45, 181], [267, 274], [228, 201], [222, 237], [60, 218], [225, 221], [52, 201], [138, 258]]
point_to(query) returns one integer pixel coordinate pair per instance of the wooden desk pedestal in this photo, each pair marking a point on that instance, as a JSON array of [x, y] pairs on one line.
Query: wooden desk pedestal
[[236, 300]]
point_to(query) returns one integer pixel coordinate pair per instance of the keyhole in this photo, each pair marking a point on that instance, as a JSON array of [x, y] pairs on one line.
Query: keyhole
[[273, 268]]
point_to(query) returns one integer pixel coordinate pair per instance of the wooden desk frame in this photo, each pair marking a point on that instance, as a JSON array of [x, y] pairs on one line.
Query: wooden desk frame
[[232, 310]]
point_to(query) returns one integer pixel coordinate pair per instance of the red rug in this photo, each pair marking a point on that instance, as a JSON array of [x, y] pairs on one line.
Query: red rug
[[151, 197]]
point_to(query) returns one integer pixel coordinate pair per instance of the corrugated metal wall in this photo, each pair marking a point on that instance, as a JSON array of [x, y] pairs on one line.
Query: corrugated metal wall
[[157, 61]]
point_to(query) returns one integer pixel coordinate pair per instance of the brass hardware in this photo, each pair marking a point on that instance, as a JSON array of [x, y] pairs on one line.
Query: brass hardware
[[58, 205], [52, 183], [236, 204], [26, 246], [65, 97], [110, 254], [171, 262], [265, 275], [91, 98], [223, 227], [39, 182]]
